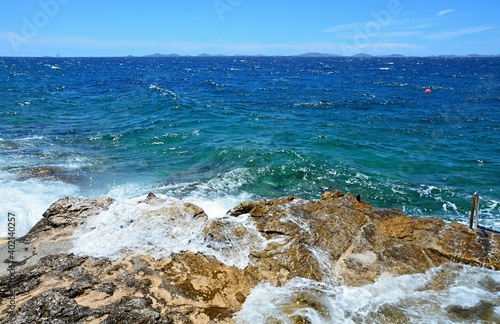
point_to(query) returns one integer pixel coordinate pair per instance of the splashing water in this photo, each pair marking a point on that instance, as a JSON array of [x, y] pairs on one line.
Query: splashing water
[[129, 227], [447, 294]]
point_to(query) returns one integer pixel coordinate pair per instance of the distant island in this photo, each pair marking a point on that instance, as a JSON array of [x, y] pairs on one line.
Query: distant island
[[310, 54]]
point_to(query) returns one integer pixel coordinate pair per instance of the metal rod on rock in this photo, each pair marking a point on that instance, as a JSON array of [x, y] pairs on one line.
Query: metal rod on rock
[[474, 212], [477, 210]]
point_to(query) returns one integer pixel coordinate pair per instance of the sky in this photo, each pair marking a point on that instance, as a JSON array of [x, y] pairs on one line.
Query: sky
[[248, 27]]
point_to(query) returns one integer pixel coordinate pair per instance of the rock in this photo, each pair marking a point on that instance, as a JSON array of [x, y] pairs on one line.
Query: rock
[[70, 211], [52, 235], [194, 210], [258, 208], [50, 306], [331, 195], [351, 236], [47, 173], [188, 288], [338, 239], [151, 199], [191, 209]]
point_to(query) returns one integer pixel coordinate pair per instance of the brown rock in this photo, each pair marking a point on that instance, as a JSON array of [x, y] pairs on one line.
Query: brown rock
[[338, 239], [47, 173], [258, 208], [70, 212], [152, 200], [360, 242], [331, 195]]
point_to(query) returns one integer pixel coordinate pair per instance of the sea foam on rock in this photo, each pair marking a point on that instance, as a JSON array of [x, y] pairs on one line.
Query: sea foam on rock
[[337, 240]]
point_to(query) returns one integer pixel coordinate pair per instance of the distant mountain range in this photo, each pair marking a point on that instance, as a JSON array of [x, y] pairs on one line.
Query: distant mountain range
[[311, 54]]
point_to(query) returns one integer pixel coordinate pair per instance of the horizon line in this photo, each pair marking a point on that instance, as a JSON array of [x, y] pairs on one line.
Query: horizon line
[[309, 54]]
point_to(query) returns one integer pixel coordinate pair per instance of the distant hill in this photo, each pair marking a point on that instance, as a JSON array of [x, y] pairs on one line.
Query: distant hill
[[162, 55], [211, 55], [362, 55], [308, 54], [316, 54], [393, 55]]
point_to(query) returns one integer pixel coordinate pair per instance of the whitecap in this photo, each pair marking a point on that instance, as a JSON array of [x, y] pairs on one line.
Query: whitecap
[[164, 91]]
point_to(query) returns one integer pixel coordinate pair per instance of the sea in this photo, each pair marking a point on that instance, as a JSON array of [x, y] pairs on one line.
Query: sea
[[216, 131]]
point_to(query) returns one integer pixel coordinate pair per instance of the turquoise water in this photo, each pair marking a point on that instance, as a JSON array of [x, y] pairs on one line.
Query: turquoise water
[[220, 130]]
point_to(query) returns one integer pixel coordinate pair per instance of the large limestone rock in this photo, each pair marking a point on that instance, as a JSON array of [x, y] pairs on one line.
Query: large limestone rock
[[337, 239], [53, 286], [340, 239]]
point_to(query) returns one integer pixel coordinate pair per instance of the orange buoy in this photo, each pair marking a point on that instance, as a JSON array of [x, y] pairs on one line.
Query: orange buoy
[[428, 91]]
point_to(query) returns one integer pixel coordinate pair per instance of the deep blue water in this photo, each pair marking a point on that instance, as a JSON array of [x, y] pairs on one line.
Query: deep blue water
[[224, 129]]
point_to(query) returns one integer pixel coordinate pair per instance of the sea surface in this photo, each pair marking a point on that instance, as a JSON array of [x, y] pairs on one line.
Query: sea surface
[[216, 131]]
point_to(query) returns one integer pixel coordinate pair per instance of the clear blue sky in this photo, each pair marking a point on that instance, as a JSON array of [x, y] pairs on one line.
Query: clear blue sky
[[272, 27]]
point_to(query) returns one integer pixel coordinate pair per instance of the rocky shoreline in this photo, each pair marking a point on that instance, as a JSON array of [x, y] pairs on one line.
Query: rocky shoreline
[[337, 239]]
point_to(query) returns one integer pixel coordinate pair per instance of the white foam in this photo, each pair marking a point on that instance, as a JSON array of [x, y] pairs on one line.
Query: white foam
[[489, 213], [129, 228], [216, 196], [493, 208], [164, 91], [420, 298], [217, 207], [227, 182], [28, 200]]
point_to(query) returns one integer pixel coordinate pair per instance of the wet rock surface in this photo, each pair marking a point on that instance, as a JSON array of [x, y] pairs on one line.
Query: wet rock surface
[[361, 242], [338, 239], [49, 173]]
